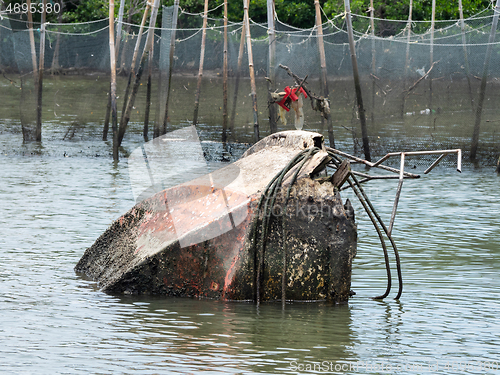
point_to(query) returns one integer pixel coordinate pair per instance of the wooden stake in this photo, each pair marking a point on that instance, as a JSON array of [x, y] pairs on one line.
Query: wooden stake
[[271, 82], [148, 91], [224, 78], [482, 92], [374, 68], [117, 48], [148, 88], [171, 63], [237, 81], [32, 43], [200, 70], [119, 28], [55, 57], [357, 85], [41, 67], [433, 21], [112, 58], [466, 59], [134, 60], [252, 72], [407, 61], [135, 87], [324, 80]]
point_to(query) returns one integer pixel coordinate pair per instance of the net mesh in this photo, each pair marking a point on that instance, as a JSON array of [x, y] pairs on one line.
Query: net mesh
[[407, 106]]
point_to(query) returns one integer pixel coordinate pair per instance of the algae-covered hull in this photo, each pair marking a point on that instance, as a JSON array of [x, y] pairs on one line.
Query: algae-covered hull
[[196, 239]]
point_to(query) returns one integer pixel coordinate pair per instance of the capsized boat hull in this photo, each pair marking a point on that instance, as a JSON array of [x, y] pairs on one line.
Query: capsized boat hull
[[195, 239]]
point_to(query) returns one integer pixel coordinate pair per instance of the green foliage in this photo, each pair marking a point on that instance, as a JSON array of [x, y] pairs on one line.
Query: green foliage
[[85, 10], [391, 10], [298, 13]]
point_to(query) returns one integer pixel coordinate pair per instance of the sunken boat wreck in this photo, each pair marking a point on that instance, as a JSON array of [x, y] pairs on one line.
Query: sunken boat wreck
[[270, 226]]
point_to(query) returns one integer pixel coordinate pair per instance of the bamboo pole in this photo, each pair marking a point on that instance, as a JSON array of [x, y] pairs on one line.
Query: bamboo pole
[[134, 59], [324, 80], [407, 60], [433, 21], [374, 59], [112, 58], [119, 28], [253, 87], [357, 84], [55, 57], [202, 59], [105, 128], [171, 62], [466, 59], [237, 81], [148, 87], [117, 48], [135, 87], [271, 82], [482, 92], [224, 79], [148, 91], [120, 63], [28, 131], [41, 66], [32, 43]]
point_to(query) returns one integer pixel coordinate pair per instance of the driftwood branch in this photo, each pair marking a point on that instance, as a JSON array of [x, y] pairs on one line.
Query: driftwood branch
[[12, 82], [318, 103], [407, 92], [297, 79]]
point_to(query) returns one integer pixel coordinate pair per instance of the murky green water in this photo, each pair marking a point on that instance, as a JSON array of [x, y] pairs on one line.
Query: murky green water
[[74, 108], [58, 197]]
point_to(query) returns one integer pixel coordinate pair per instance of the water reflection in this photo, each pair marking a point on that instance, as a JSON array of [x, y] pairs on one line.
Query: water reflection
[[203, 333]]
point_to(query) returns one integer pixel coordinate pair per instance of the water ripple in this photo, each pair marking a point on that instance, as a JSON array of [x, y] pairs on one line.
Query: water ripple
[[447, 230]]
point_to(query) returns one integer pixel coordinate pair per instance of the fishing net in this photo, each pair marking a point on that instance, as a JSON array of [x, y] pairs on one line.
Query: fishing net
[[420, 83]]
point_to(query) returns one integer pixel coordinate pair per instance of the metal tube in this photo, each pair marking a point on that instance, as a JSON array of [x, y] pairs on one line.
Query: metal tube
[[379, 232], [370, 164], [434, 164], [412, 153], [398, 193]]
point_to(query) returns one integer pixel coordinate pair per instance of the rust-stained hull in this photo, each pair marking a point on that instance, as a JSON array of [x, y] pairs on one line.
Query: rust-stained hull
[[194, 239]]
